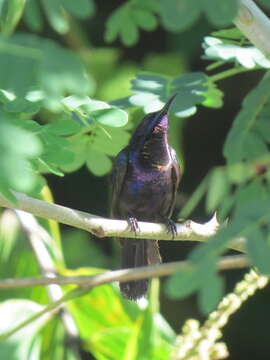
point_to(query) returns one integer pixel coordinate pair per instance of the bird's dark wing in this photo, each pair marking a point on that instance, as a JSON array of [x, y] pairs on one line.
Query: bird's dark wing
[[176, 176], [118, 175]]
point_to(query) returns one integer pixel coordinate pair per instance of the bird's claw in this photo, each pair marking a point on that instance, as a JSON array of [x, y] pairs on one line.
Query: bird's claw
[[133, 224], [171, 228]]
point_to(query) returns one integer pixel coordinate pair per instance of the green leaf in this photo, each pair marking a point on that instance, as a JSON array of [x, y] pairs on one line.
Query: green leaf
[[114, 24], [58, 156], [2, 3], [129, 33], [145, 19], [211, 293], [86, 110], [4, 190], [231, 34], [78, 146], [110, 117], [51, 140], [98, 163], [251, 202], [183, 283], [63, 127], [22, 105], [149, 82], [18, 52], [240, 172], [125, 20], [48, 167], [55, 14], [190, 90], [259, 251], [112, 144], [153, 90], [81, 9], [178, 15], [16, 170], [14, 10], [220, 13], [262, 127], [32, 15], [55, 70], [59, 77], [254, 147], [213, 96], [247, 56], [217, 189], [53, 333], [108, 324], [242, 141], [216, 244]]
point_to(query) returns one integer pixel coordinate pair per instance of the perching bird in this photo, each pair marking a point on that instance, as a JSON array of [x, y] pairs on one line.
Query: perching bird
[[145, 179]]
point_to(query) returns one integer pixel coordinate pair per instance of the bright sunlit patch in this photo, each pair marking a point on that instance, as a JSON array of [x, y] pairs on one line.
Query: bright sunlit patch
[[9, 95], [35, 95], [142, 303]]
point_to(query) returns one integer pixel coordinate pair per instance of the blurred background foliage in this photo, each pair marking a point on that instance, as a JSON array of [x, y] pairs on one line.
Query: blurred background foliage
[[76, 78]]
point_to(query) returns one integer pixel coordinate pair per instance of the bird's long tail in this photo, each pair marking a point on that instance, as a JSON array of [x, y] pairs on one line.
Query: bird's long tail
[[136, 253]]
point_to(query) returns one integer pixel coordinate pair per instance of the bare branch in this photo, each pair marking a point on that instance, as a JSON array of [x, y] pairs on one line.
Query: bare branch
[[254, 24], [225, 263], [104, 227], [40, 241]]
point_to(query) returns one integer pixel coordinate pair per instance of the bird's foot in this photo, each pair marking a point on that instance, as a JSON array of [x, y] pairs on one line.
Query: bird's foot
[[133, 224], [171, 228]]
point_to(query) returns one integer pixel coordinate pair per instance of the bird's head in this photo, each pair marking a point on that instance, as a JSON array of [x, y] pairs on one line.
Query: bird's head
[[154, 126]]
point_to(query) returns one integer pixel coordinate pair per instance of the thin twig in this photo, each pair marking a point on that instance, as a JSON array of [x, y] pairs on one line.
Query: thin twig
[[225, 263]]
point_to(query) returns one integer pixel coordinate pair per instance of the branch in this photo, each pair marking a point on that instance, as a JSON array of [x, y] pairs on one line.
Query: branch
[[254, 24], [104, 227], [40, 241], [145, 272]]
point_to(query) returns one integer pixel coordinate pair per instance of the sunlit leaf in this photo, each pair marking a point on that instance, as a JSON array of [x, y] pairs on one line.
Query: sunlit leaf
[[112, 117], [24, 344], [247, 56], [55, 15]]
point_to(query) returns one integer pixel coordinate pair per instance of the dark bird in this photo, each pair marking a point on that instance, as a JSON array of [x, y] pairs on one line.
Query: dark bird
[[145, 179]]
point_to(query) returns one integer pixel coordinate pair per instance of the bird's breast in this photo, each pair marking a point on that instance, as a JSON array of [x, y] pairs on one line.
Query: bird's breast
[[146, 193]]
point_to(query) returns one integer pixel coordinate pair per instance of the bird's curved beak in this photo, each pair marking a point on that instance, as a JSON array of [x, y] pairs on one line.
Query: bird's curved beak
[[166, 107]]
